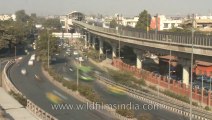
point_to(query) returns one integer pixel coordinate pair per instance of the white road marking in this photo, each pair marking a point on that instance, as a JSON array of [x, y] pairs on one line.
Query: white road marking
[[59, 94]]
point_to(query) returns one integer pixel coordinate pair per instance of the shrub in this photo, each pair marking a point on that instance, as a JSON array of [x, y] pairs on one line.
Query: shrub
[[145, 116], [129, 113], [153, 87], [195, 103], [176, 96], [207, 108], [19, 98]]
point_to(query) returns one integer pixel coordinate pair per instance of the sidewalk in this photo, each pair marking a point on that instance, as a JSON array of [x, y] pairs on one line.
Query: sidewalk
[[13, 110]]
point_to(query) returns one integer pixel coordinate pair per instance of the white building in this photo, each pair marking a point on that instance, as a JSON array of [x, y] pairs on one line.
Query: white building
[[130, 21], [165, 23], [66, 20], [4, 17]]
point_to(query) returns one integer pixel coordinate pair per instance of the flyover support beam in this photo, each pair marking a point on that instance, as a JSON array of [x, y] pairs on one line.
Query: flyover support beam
[[93, 42], [139, 62], [100, 46], [89, 39], [139, 58], [114, 48], [186, 66], [86, 42]]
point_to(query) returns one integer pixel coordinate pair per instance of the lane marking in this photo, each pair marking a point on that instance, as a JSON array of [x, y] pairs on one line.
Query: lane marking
[[59, 94]]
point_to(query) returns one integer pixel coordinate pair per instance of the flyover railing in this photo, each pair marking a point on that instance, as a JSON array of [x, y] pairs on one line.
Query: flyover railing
[[33, 108], [174, 106], [175, 38]]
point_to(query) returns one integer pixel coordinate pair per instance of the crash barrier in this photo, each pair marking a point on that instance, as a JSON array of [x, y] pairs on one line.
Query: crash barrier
[[9, 86], [171, 105]]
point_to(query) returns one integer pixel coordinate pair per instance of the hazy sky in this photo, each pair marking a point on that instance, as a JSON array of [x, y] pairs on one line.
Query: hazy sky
[[108, 7]]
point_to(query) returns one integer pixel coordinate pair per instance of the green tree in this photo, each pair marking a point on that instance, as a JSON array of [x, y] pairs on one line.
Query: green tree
[[144, 20], [42, 45], [113, 23], [21, 16], [52, 23]]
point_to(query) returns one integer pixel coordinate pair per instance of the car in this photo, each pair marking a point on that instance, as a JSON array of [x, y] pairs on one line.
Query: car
[[70, 69], [23, 71], [75, 53], [30, 63]]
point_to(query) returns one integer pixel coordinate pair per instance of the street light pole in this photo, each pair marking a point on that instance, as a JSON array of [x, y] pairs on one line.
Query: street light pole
[[202, 91], [48, 45], [210, 92], [170, 59], [77, 78], [192, 57]]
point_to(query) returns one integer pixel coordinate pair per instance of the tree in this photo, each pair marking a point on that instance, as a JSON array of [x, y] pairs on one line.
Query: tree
[[53, 23], [21, 16], [144, 20], [113, 23], [42, 45]]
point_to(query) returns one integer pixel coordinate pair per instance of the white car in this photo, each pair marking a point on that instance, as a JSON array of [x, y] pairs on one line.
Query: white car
[[75, 53], [23, 71], [30, 63]]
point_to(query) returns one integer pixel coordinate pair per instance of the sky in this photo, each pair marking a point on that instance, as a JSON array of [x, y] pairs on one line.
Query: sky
[[107, 7]]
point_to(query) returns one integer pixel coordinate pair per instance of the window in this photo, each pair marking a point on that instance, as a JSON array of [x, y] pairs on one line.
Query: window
[[166, 25]]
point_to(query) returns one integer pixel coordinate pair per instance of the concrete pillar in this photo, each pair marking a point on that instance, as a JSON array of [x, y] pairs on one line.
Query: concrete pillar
[[186, 66], [86, 42], [139, 62], [114, 48], [93, 42], [139, 58], [89, 39], [100, 46]]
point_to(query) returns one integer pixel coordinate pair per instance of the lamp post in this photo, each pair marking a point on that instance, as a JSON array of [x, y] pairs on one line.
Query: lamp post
[[202, 90], [170, 60], [210, 92], [156, 27], [106, 52], [47, 30], [192, 57]]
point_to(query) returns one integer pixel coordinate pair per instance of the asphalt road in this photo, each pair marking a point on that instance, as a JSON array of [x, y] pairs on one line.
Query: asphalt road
[[36, 90], [108, 97]]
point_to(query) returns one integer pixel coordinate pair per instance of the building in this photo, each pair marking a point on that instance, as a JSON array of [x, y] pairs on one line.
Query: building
[[165, 23], [130, 21], [4, 17], [202, 23], [66, 20]]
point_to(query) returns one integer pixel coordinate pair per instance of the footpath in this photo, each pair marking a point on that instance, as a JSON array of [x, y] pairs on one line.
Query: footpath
[[10, 109]]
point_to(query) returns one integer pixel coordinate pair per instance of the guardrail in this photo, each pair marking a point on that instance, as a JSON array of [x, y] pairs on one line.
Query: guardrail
[[34, 109], [176, 38], [174, 106]]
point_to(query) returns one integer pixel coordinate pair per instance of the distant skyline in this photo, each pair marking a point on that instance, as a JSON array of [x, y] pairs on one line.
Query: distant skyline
[[107, 7]]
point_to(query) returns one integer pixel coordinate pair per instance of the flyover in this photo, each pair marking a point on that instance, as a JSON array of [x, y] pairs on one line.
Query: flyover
[[155, 42]]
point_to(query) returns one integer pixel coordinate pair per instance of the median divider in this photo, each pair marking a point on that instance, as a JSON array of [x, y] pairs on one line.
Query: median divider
[[31, 107]]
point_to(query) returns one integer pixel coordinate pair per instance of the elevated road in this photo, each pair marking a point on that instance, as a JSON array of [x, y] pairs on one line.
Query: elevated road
[[180, 44], [36, 91]]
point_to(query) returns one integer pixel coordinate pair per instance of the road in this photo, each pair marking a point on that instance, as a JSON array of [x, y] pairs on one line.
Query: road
[[36, 90], [114, 99]]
